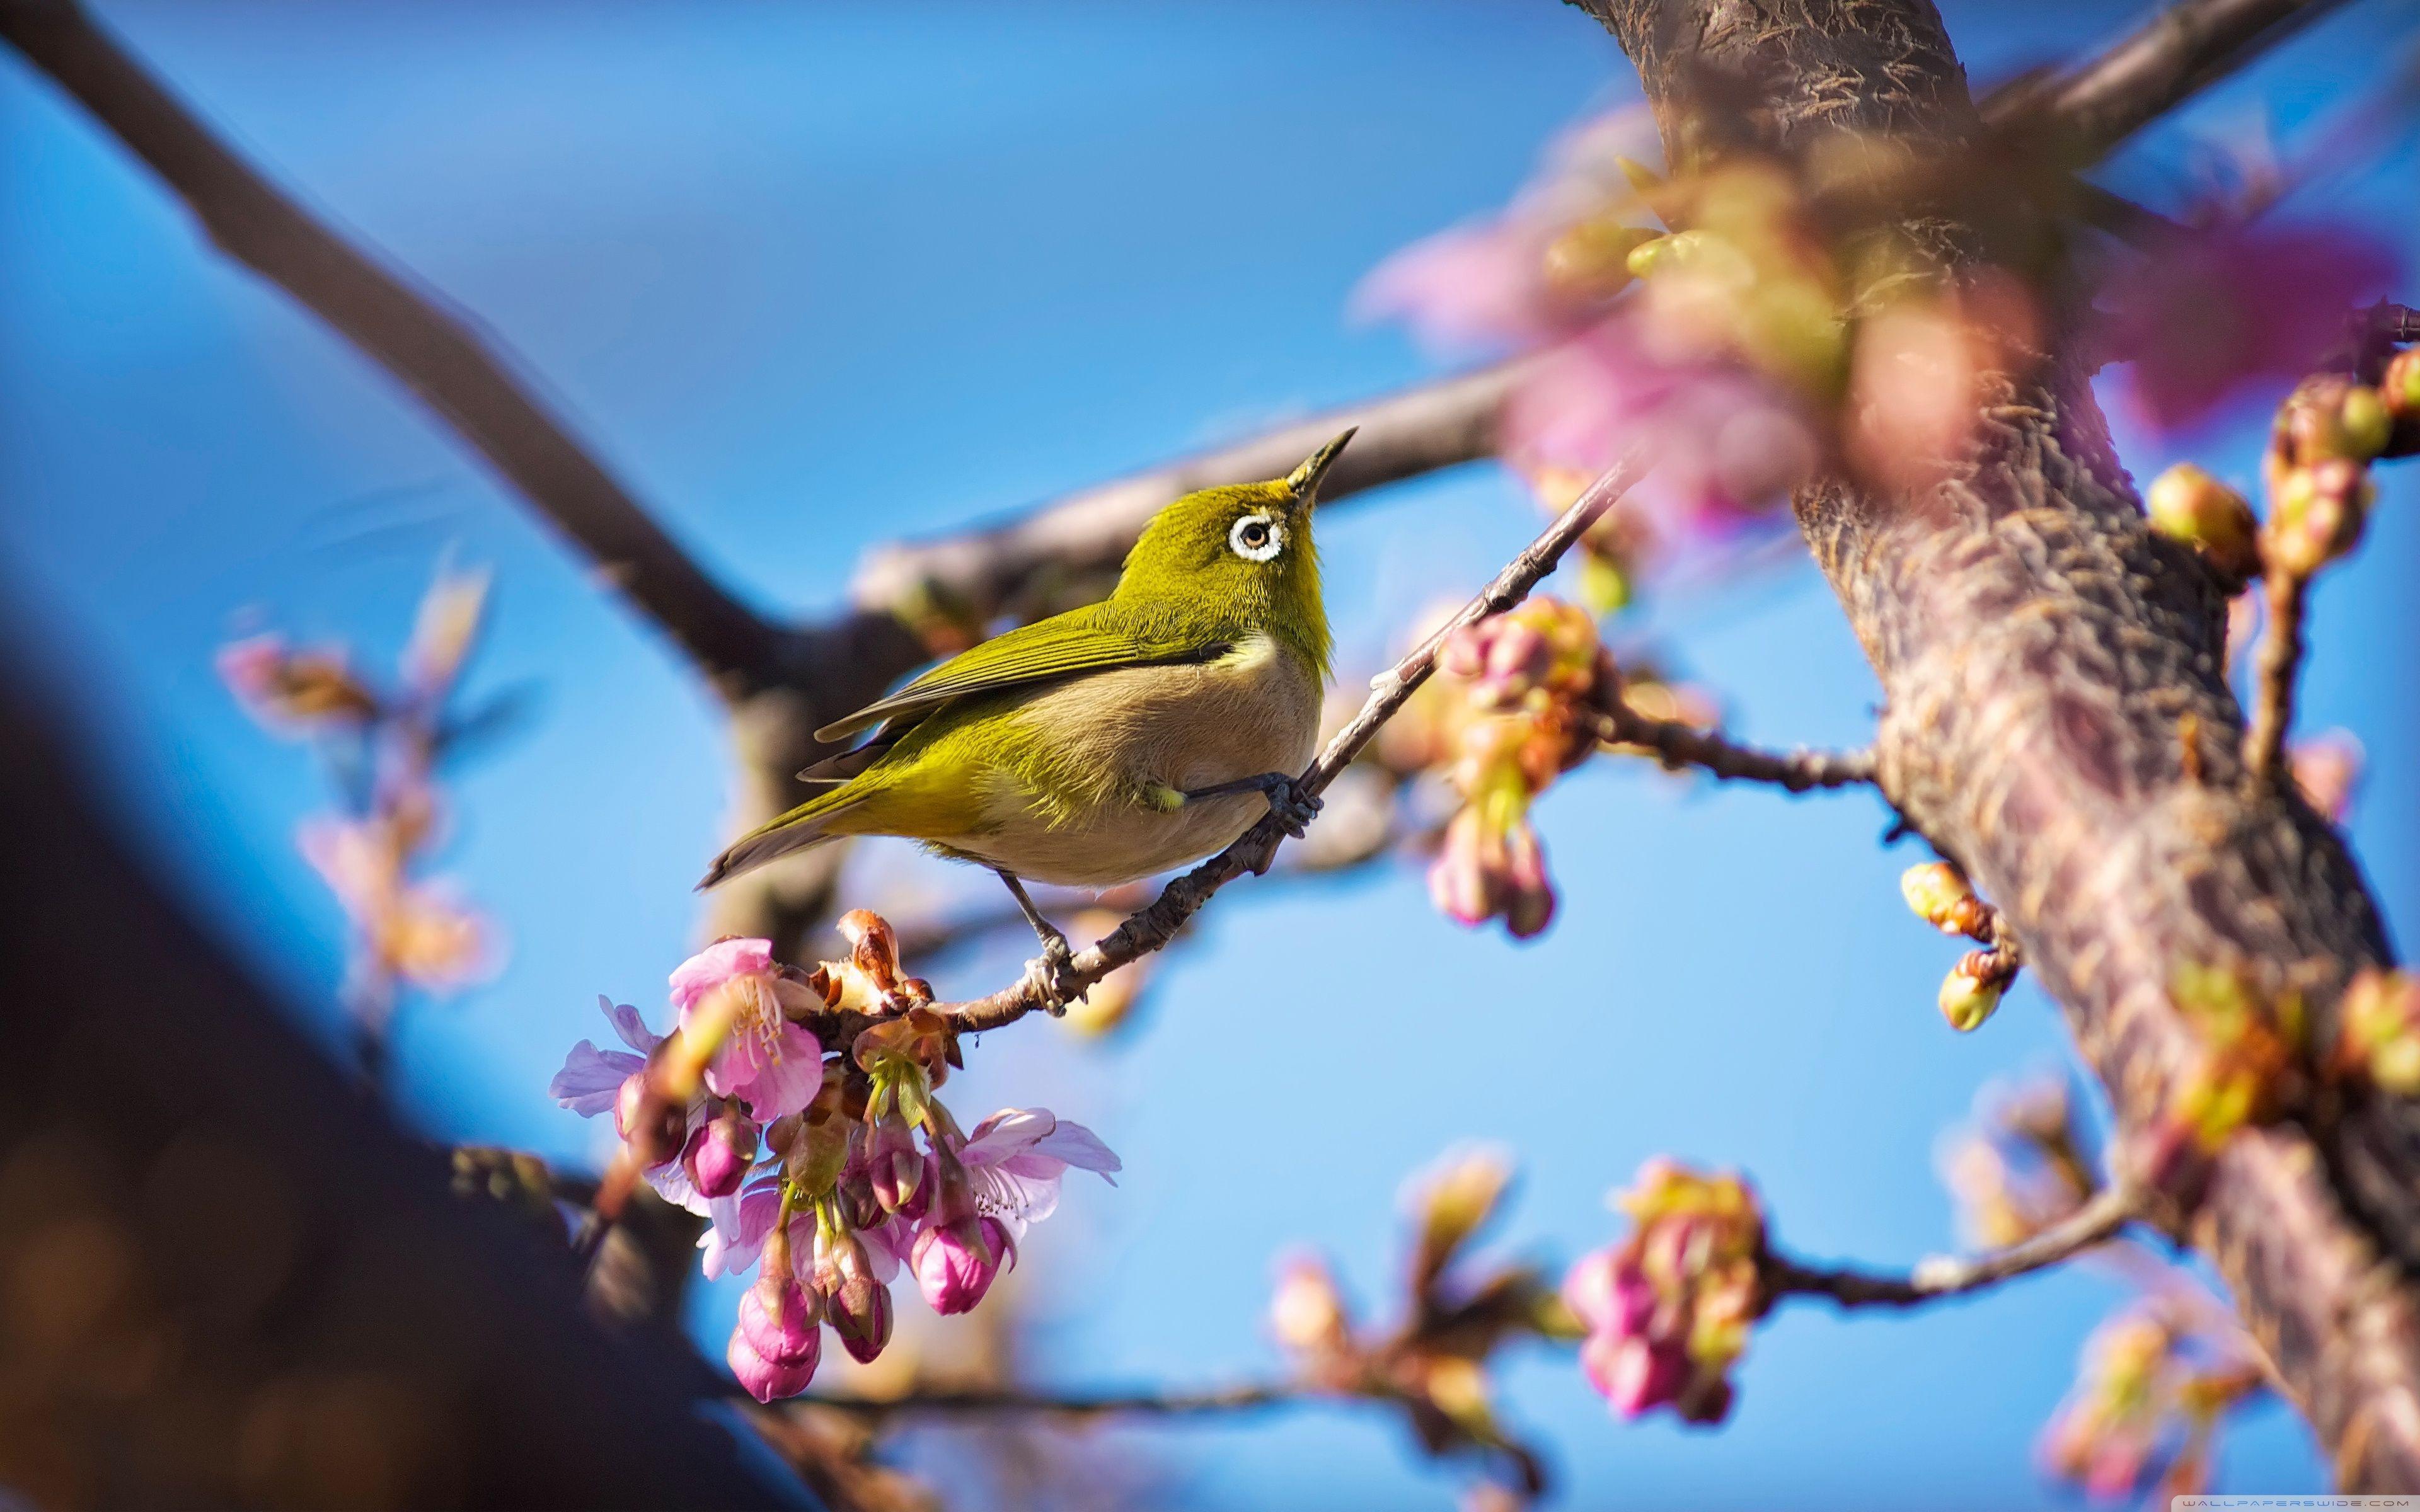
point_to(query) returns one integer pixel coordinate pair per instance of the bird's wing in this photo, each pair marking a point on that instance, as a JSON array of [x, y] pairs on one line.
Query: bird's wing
[[1067, 644]]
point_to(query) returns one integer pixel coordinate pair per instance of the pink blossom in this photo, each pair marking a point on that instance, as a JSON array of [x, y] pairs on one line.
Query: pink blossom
[[2209, 316], [769, 1381], [957, 1264], [1716, 441], [766, 1061], [1485, 283], [737, 1225], [1016, 1159]]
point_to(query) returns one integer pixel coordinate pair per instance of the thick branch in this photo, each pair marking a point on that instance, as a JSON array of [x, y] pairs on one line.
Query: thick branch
[[2045, 663], [1948, 1275], [427, 348]]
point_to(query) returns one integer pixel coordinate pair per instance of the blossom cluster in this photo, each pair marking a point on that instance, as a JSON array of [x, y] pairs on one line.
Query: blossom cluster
[[2146, 1406], [2024, 1164], [384, 742], [836, 1174], [1669, 1309], [1456, 1314], [2247, 1069], [1514, 689]]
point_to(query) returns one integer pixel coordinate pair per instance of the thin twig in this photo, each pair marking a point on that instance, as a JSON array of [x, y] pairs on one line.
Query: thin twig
[[2276, 666], [1245, 1397], [1155, 925], [1678, 744], [2095, 1223]]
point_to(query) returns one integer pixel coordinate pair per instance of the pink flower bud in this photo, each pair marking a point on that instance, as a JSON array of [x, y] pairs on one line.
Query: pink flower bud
[[1633, 1375], [856, 1305], [1459, 880], [894, 1164], [956, 1264], [766, 1380], [779, 1319], [1528, 893], [719, 1155]]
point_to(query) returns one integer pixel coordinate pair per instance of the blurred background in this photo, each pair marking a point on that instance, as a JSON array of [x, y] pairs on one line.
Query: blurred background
[[813, 277]]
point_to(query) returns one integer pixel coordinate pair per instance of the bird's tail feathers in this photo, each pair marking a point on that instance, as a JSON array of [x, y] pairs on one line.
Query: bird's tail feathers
[[802, 827]]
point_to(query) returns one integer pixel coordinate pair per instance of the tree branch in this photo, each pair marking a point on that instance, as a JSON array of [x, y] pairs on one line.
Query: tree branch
[[2174, 54], [1245, 1398], [1678, 744], [2095, 1223], [2042, 658], [1421, 429], [428, 349], [2276, 667]]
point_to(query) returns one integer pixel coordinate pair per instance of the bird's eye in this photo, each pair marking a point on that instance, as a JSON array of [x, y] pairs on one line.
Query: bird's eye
[[1256, 538]]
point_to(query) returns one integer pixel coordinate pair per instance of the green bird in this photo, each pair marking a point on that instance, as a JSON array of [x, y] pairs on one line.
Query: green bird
[[1113, 741]]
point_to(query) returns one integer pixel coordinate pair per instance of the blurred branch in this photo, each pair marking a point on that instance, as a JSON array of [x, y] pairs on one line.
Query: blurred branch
[[2178, 51], [1419, 430], [1245, 1397], [430, 350], [2094, 1223]]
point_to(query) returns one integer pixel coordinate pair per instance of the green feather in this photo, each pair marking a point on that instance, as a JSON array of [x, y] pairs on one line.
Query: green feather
[[1087, 639]]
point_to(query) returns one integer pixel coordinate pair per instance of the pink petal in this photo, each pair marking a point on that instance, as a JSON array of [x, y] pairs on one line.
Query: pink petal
[[716, 964]]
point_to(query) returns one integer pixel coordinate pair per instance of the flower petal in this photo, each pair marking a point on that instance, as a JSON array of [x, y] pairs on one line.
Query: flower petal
[[590, 1077], [716, 964], [629, 1024]]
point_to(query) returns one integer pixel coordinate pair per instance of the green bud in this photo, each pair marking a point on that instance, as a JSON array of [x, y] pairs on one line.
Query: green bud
[[1663, 254], [2187, 504], [1966, 999], [2363, 420], [1940, 895], [2399, 391], [1591, 261]]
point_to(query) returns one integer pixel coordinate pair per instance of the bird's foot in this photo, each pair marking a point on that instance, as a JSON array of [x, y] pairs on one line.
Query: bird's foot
[[1294, 805], [1051, 975], [1291, 804]]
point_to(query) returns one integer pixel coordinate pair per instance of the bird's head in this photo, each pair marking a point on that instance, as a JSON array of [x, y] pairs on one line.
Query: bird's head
[[1239, 555]]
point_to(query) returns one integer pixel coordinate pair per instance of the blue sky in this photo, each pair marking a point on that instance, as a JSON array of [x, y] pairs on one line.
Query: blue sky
[[813, 275]]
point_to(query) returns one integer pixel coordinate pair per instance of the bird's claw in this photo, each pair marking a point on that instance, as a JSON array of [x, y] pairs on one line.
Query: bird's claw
[[1294, 806], [1051, 975]]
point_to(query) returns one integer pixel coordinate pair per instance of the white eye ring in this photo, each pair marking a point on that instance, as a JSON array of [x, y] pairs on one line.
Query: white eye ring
[[1256, 537]]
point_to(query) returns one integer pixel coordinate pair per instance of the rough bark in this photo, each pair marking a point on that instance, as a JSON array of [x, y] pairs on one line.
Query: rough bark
[[2058, 721]]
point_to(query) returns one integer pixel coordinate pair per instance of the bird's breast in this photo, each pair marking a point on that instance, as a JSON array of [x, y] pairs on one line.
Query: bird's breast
[[1072, 810]]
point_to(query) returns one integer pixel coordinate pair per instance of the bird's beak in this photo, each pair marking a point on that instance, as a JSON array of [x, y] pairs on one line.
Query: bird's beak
[[1303, 482]]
